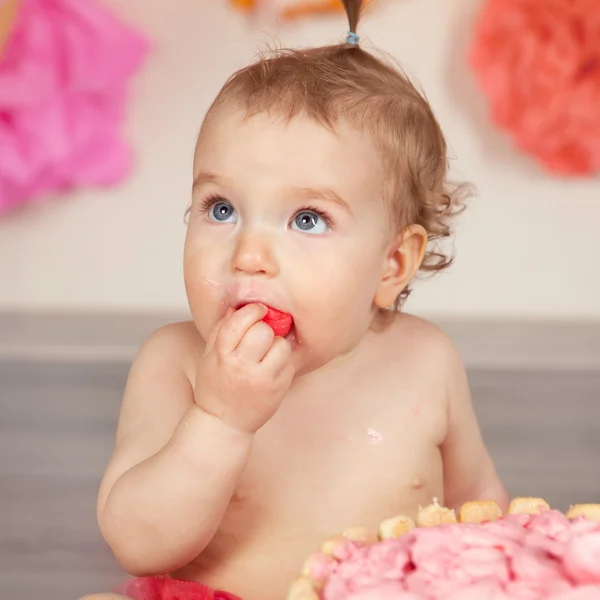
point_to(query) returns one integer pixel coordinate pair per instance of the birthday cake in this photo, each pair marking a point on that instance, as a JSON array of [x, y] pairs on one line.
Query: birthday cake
[[531, 553]]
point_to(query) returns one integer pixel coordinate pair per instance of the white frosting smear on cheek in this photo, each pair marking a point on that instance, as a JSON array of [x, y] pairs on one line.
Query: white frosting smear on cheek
[[211, 282], [374, 436]]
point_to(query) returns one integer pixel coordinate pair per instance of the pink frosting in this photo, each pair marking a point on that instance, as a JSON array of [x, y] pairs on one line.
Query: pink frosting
[[518, 557]]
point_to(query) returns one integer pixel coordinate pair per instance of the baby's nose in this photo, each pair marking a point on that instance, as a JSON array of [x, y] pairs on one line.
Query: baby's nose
[[254, 255]]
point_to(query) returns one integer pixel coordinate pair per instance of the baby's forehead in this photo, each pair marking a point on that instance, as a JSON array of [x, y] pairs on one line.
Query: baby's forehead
[[299, 152], [228, 124]]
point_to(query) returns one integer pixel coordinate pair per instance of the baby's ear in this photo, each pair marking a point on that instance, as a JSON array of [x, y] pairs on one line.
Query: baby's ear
[[402, 260]]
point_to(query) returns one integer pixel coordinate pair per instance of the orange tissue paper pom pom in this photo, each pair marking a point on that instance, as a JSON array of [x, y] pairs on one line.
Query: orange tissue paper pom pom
[[291, 9], [538, 62]]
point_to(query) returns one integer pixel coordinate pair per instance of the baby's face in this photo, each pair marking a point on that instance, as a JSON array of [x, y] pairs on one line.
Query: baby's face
[[291, 215]]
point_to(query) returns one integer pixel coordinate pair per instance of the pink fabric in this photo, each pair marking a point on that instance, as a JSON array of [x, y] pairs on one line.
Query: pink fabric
[[166, 588], [516, 558], [63, 88]]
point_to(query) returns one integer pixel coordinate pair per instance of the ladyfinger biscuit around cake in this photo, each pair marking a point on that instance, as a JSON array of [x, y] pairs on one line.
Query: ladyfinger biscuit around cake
[[479, 512], [329, 546], [527, 506], [434, 515], [590, 511], [302, 589], [360, 534], [395, 527], [316, 566]]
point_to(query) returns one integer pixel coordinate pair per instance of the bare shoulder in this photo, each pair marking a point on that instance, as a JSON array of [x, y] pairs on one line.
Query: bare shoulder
[[161, 378], [176, 346], [425, 361], [408, 336], [180, 338]]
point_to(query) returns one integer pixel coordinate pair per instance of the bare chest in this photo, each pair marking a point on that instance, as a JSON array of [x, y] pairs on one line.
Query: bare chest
[[337, 454], [353, 457]]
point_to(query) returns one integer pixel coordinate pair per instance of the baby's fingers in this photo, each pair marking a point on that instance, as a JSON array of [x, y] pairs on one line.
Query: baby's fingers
[[256, 343], [278, 357], [235, 326]]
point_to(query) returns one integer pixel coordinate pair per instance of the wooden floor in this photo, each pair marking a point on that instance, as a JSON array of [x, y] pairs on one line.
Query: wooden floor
[[57, 424]]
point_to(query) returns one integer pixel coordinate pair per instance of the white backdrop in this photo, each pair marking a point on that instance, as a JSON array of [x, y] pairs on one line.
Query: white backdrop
[[526, 248]]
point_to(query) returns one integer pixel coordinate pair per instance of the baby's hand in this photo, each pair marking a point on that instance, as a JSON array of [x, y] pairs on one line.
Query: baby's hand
[[245, 372]]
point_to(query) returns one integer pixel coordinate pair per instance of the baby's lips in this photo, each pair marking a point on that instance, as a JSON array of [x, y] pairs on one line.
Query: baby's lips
[[280, 322]]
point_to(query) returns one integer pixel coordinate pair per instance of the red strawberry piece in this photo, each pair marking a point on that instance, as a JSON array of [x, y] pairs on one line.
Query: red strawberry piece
[[280, 322]]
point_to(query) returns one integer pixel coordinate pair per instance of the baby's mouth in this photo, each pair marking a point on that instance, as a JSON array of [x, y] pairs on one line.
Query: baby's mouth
[[280, 322], [292, 338]]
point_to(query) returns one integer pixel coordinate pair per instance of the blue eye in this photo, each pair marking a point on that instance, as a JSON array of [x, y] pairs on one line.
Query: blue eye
[[222, 212], [308, 221]]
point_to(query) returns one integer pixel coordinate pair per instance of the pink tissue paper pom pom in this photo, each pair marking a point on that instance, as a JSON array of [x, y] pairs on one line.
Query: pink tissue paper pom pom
[[63, 89], [538, 62]]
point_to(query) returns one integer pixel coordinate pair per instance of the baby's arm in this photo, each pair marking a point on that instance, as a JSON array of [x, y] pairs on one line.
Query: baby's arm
[[469, 473], [174, 467]]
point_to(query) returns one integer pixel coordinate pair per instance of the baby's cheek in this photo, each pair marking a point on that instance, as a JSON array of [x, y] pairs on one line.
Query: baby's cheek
[[205, 299], [335, 319], [201, 292], [202, 277], [350, 293]]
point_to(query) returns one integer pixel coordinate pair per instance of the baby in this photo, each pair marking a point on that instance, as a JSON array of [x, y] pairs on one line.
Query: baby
[[319, 188]]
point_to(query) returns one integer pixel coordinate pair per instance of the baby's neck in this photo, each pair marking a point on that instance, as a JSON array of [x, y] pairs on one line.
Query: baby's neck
[[344, 364]]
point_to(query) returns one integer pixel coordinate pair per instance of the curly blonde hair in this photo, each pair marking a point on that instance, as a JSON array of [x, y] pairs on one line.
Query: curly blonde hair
[[345, 82]]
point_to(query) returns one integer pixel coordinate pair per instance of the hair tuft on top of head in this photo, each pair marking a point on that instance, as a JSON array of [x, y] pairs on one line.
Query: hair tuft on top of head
[[353, 9]]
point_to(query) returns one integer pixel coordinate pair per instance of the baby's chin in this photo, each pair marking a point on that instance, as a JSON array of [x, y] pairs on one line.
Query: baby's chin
[[310, 353]]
